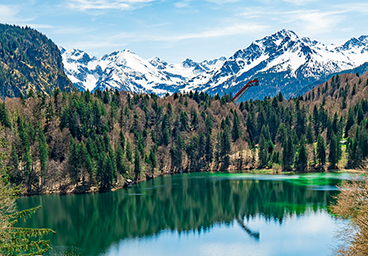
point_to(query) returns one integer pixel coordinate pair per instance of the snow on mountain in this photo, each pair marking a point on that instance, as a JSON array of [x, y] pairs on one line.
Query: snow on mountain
[[282, 62], [125, 70]]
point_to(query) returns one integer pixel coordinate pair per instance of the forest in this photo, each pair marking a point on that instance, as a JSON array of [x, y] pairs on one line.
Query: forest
[[80, 142], [29, 61]]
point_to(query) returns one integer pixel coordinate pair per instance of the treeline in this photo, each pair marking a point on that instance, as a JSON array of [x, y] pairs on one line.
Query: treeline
[[80, 141]]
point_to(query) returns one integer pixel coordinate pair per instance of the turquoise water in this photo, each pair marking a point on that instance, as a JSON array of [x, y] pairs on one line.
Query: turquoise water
[[195, 214]]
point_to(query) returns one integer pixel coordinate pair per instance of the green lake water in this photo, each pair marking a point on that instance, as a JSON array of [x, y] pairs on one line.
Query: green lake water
[[195, 214]]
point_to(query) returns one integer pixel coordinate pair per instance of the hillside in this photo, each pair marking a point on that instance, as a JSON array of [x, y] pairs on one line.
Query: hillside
[[29, 61], [80, 142]]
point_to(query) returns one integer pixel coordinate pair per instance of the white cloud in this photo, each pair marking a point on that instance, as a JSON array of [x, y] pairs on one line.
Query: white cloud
[[84, 5], [235, 29], [222, 1], [315, 21], [181, 4], [7, 13], [38, 26], [299, 2], [311, 21]]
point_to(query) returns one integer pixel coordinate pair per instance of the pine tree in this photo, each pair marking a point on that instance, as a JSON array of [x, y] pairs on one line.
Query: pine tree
[[236, 132], [137, 163], [176, 152], [208, 148], [321, 150], [122, 140], [281, 134], [302, 158], [16, 240], [262, 152], [43, 153], [310, 134], [288, 154], [350, 121], [226, 147], [27, 159], [128, 152], [4, 116], [184, 125], [74, 161], [333, 157], [16, 177], [120, 166], [152, 159]]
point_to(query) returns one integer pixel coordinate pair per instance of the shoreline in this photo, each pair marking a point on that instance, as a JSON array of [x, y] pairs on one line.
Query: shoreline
[[75, 190]]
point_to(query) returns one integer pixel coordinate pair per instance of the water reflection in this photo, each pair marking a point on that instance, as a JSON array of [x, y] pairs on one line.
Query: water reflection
[[185, 204]]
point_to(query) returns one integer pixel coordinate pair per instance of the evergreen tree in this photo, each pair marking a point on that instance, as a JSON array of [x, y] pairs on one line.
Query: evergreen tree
[[262, 152], [349, 122], [74, 161], [288, 154], [310, 134], [195, 120], [4, 116], [122, 140], [120, 166], [209, 124], [27, 159], [107, 174], [333, 157], [281, 134], [43, 153], [226, 147], [236, 132], [184, 125], [300, 122], [208, 148], [152, 159], [321, 150], [137, 163], [16, 176], [128, 152], [302, 158], [176, 153]]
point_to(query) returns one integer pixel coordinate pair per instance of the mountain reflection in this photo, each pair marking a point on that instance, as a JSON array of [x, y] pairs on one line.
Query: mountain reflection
[[181, 203]]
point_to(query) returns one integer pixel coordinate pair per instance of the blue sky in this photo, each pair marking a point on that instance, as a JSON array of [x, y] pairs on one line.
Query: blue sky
[[175, 30]]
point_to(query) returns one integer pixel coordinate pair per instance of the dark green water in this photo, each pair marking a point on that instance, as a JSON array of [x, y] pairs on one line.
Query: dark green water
[[195, 214]]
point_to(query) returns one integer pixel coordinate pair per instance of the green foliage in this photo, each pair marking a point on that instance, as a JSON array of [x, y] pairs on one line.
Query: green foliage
[[236, 132], [288, 154], [321, 150], [302, 157], [137, 163], [333, 156], [15, 240], [30, 59]]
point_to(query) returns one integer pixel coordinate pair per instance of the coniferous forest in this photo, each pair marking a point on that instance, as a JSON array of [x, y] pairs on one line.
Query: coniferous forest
[[81, 141]]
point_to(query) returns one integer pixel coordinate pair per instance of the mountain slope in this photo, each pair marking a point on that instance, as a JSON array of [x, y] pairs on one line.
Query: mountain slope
[[29, 61], [283, 62], [125, 70]]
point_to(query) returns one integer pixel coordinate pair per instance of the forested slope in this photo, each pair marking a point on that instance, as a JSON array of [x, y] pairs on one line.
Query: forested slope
[[29, 61], [80, 142]]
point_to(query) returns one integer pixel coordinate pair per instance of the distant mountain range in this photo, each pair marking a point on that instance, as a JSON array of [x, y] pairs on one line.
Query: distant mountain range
[[283, 62]]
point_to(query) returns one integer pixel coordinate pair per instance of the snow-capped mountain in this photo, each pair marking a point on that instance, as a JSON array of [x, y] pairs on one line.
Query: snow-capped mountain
[[125, 70], [282, 62]]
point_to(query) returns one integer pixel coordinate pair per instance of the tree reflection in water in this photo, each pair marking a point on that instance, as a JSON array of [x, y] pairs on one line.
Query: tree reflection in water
[[182, 203]]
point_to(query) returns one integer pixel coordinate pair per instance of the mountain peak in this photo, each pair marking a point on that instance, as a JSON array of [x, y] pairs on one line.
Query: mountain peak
[[282, 61]]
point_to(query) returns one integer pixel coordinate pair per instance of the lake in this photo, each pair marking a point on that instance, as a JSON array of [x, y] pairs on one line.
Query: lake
[[195, 214]]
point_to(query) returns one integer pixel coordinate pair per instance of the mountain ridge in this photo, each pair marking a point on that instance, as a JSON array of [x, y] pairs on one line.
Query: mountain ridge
[[283, 62], [29, 61]]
